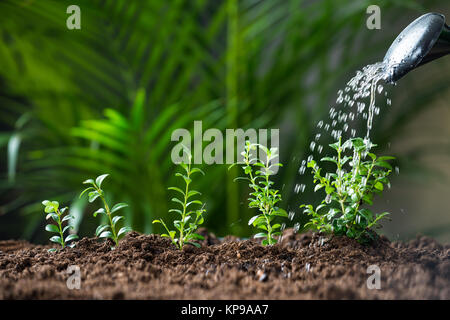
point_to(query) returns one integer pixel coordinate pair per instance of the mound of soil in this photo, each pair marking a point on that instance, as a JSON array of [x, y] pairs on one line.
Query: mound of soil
[[307, 266]]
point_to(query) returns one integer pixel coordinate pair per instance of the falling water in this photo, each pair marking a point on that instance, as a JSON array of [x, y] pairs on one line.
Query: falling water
[[355, 103]]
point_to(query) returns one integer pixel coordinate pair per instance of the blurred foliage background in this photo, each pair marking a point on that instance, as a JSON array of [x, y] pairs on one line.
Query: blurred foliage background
[[105, 99]]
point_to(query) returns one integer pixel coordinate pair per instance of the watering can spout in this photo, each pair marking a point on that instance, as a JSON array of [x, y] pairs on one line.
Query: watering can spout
[[423, 40]]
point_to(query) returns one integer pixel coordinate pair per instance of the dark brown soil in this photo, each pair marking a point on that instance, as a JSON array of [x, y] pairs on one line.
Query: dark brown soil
[[307, 266]]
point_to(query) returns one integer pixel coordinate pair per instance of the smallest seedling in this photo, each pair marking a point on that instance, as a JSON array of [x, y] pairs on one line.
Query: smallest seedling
[[53, 212]]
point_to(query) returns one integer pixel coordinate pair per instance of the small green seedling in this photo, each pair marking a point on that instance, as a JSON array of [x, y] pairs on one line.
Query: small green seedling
[[105, 231], [263, 197], [359, 175], [190, 219], [53, 212]]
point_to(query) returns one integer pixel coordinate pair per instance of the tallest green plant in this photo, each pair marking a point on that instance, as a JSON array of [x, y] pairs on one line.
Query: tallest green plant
[[359, 175]]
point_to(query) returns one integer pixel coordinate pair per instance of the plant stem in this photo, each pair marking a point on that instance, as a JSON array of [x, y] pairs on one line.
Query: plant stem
[[60, 228], [339, 185], [108, 213], [183, 215], [266, 193], [367, 179]]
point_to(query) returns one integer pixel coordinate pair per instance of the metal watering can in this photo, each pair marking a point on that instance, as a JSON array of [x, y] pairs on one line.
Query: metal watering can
[[423, 40]]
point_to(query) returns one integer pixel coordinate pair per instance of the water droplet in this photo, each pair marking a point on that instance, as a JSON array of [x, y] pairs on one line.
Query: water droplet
[[291, 215], [380, 88], [301, 170]]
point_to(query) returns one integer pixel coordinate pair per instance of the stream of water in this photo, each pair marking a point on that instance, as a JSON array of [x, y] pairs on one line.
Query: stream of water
[[356, 104]]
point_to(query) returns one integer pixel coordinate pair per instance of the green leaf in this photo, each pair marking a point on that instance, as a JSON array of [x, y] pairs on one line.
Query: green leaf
[[367, 199], [100, 229], [329, 159], [358, 143], [252, 219], [200, 220], [89, 181], [71, 237], [52, 228], [193, 193], [329, 189], [193, 202], [93, 195], [382, 215], [100, 179], [106, 234], [68, 217], [86, 190], [52, 215], [186, 179], [176, 189], [384, 158], [260, 235], [156, 221], [196, 236], [67, 228], [318, 187], [56, 239], [178, 201], [280, 212], [194, 170], [118, 207], [116, 219], [335, 146], [124, 230], [383, 164], [176, 210], [367, 214], [379, 186], [195, 244], [46, 203], [101, 210]]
